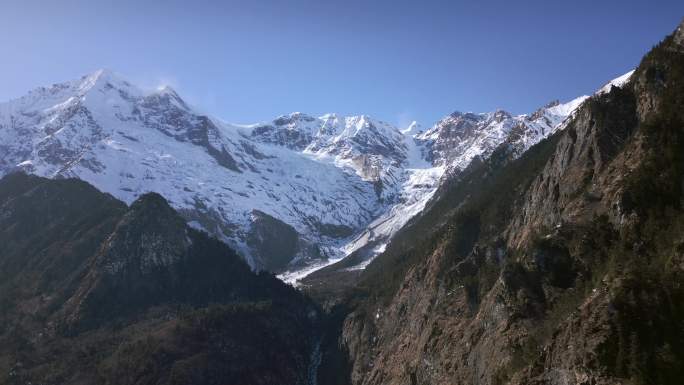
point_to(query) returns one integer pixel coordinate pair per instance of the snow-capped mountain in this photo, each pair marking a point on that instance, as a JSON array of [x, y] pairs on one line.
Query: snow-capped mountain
[[291, 195], [373, 149], [455, 140], [446, 149], [261, 198]]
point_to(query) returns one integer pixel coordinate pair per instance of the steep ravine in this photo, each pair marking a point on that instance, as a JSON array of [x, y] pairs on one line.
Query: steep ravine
[[560, 267]]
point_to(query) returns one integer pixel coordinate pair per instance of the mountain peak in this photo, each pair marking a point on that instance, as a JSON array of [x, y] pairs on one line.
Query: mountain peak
[[552, 103], [463, 115], [167, 90], [169, 96], [103, 76], [331, 117], [618, 82], [149, 235], [679, 34], [103, 73], [289, 119], [500, 115], [151, 199], [104, 80]]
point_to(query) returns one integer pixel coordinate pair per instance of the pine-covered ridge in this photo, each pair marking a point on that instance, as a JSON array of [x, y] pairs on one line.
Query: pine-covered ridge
[[95, 291]]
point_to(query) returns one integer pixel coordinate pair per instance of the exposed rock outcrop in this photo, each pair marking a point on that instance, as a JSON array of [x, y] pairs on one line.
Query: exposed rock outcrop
[[560, 267]]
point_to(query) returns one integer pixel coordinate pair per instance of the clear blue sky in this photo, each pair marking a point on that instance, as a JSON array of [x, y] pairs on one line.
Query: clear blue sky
[[247, 61]]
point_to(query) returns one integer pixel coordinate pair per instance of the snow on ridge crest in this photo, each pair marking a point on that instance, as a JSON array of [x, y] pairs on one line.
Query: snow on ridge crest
[[618, 82], [341, 182]]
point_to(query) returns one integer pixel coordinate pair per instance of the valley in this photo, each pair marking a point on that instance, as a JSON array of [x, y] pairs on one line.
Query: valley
[[144, 242]]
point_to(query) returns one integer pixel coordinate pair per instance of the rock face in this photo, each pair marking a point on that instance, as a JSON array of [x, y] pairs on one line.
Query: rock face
[[558, 266], [457, 139], [342, 183], [93, 291], [443, 152]]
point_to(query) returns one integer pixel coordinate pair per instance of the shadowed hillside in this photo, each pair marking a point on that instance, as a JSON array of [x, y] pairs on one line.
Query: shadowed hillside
[[93, 291]]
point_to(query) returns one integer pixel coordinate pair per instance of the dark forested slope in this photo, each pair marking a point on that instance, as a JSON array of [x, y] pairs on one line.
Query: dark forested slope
[[93, 291]]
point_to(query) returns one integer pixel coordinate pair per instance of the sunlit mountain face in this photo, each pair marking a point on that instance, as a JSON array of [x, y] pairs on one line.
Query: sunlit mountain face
[[291, 195]]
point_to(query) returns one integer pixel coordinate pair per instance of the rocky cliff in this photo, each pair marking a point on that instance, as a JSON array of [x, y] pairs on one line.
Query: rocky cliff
[[562, 266]]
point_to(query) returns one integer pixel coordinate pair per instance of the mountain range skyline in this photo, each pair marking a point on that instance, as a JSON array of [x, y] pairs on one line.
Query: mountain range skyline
[[144, 240], [411, 127], [398, 61], [292, 195]]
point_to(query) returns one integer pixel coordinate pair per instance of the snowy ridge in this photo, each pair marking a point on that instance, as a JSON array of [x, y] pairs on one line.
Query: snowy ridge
[[618, 82], [332, 184], [375, 150], [447, 148], [125, 142]]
